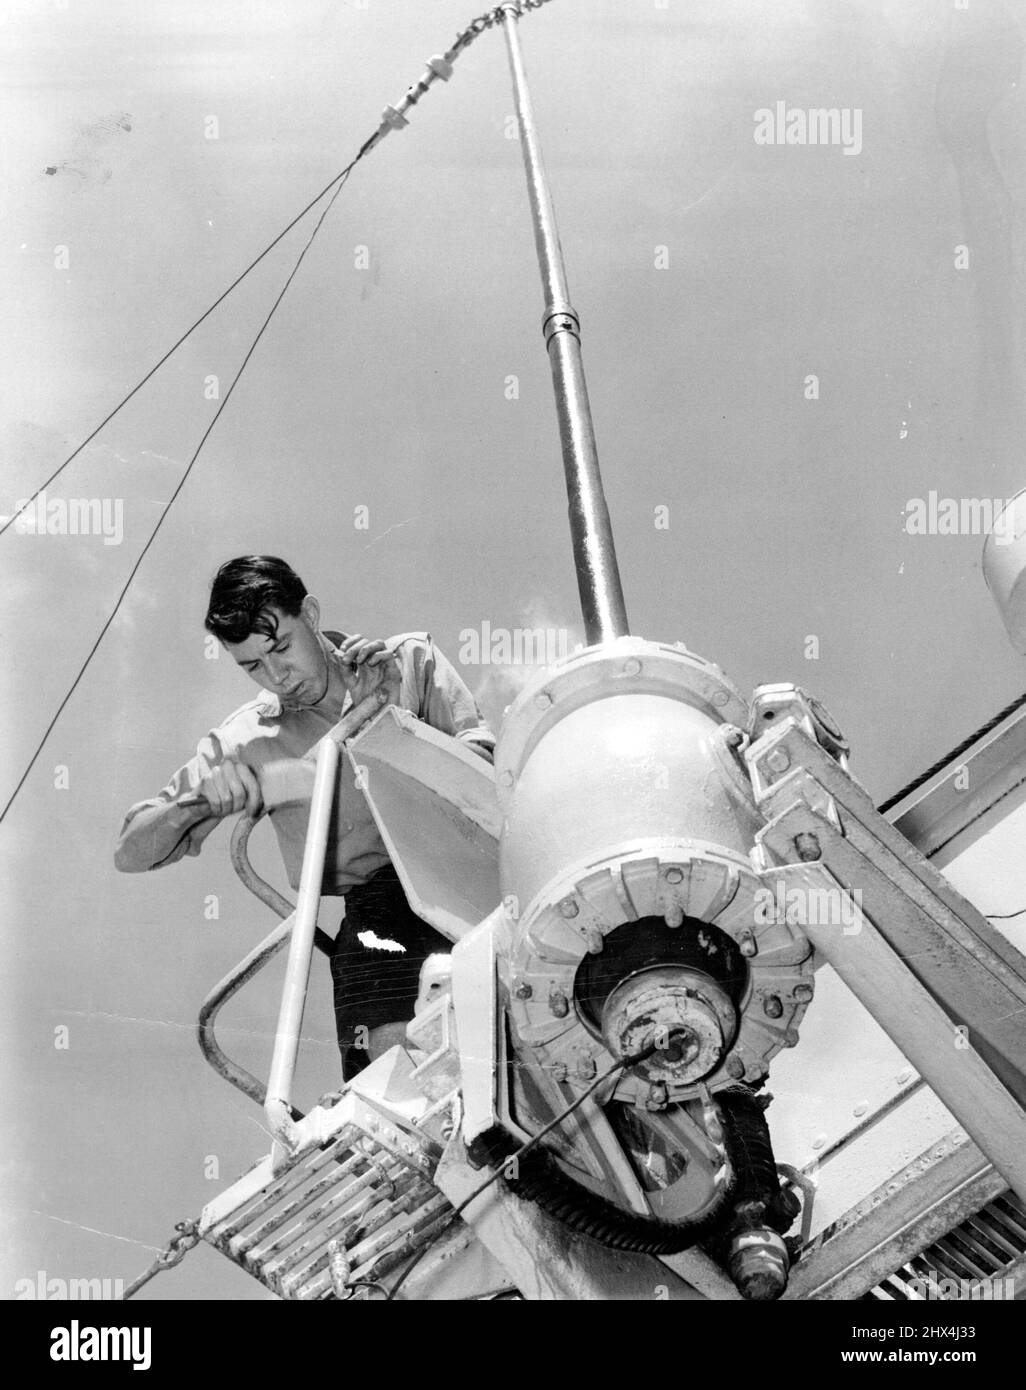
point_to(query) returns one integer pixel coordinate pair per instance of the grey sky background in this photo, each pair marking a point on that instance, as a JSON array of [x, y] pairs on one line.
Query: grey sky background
[[386, 388]]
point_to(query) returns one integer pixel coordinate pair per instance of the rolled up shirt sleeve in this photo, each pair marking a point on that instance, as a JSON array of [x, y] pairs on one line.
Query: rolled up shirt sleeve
[[137, 851], [447, 704]]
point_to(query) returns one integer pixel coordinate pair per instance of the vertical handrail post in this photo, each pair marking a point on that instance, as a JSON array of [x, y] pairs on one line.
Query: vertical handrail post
[[297, 970]]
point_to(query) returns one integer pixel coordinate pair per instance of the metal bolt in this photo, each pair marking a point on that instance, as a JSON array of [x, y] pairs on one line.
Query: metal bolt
[[772, 1006], [559, 1004], [791, 1038], [819, 1141], [904, 1076], [632, 666], [779, 760], [674, 875], [674, 916], [543, 699], [861, 1108], [807, 846], [735, 1067], [748, 944], [658, 1096], [803, 993], [587, 1068], [593, 940], [559, 1071], [523, 991], [733, 737], [720, 698], [569, 908]]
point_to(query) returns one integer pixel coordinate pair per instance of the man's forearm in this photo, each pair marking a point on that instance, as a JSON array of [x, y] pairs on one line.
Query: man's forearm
[[153, 835]]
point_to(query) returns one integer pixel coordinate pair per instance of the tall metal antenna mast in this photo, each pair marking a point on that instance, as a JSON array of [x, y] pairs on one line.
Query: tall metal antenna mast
[[598, 576]]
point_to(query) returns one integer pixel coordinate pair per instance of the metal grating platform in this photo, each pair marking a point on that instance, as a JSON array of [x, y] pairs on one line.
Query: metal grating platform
[[986, 1250], [353, 1205]]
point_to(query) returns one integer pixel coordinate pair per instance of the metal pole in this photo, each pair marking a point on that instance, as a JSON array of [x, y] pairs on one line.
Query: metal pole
[[277, 1105], [277, 1101], [598, 578]]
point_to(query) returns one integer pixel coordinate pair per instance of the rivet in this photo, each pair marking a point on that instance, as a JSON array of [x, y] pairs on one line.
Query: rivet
[[735, 1067], [506, 778], [720, 698], [772, 1006], [569, 908], [779, 760], [748, 944], [904, 1076], [790, 1038], [543, 699], [523, 991], [674, 875], [559, 1071], [593, 940], [674, 916], [632, 666], [803, 993], [819, 1141], [587, 1068], [861, 1108]]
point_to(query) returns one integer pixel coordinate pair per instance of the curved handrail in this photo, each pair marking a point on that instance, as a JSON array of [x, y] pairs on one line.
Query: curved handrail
[[257, 958], [258, 886], [212, 1050], [239, 850], [232, 1072]]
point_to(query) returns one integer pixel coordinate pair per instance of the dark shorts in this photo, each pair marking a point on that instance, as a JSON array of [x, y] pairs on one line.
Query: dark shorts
[[372, 985]]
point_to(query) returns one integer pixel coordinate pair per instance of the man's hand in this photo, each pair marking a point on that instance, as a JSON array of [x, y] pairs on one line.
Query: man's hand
[[229, 788], [366, 664]]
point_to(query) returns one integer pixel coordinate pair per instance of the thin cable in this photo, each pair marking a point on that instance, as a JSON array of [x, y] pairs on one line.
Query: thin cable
[[519, 1153], [181, 484], [392, 118], [192, 327], [942, 763]]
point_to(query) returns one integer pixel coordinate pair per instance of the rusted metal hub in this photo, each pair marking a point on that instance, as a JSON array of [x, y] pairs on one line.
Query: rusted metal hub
[[687, 1016]]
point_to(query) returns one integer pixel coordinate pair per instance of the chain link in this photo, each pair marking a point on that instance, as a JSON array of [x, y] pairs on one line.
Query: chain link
[[489, 20], [180, 1245], [173, 1253]]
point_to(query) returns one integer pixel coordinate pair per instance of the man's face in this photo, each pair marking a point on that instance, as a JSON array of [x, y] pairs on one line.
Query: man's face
[[291, 664]]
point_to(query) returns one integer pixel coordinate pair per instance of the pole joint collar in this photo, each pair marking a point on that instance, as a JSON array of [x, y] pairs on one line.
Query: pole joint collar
[[560, 318]]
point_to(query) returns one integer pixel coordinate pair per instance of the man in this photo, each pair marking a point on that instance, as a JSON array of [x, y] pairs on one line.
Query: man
[[264, 618]]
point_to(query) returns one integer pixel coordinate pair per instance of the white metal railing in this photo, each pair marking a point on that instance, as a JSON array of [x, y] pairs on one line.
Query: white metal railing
[[278, 1102]]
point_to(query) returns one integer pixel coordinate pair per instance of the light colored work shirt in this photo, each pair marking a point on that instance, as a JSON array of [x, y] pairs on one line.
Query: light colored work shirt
[[262, 732]]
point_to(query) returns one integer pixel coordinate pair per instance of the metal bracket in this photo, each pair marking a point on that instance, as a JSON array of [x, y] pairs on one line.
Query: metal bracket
[[923, 961]]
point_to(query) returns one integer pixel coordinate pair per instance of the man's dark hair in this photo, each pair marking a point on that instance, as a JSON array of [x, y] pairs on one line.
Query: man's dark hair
[[244, 589]]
